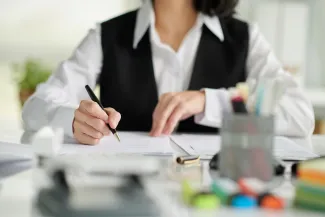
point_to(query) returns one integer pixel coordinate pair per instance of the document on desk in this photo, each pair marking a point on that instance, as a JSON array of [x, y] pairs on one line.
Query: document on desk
[[289, 149], [131, 143], [209, 145], [204, 145]]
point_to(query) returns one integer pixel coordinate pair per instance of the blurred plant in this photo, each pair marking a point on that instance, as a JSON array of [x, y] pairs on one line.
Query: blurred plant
[[28, 75]]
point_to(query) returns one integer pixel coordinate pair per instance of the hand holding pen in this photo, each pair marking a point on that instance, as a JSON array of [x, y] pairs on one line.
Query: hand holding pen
[[92, 122]]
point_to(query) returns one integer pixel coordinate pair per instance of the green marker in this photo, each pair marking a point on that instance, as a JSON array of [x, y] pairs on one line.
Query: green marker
[[219, 192], [205, 200], [223, 189]]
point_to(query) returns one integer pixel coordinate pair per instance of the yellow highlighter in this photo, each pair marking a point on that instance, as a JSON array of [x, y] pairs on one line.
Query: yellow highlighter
[[187, 192]]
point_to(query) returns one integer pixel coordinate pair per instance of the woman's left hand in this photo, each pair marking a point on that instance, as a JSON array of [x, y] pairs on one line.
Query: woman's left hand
[[175, 107]]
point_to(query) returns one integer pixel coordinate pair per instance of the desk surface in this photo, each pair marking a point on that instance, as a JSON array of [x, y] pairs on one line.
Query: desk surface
[[16, 192]]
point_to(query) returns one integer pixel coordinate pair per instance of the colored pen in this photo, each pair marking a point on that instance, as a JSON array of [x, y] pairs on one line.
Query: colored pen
[[264, 198], [224, 189], [259, 100], [238, 105], [220, 193], [188, 160], [95, 99]]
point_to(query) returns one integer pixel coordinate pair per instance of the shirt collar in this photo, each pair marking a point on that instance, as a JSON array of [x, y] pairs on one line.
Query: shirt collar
[[146, 17]]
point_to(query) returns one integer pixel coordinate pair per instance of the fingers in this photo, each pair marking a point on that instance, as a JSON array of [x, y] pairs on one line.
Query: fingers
[[93, 109], [87, 130], [162, 114], [114, 117], [95, 123], [175, 117], [163, 102], [90, 122], [86, 140], [84, 134]]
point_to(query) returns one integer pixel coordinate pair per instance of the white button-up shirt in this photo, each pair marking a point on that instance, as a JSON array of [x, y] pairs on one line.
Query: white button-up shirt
[[55, 101]]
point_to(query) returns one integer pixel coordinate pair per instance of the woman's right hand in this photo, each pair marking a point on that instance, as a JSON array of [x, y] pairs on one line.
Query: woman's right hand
[[89, 124]]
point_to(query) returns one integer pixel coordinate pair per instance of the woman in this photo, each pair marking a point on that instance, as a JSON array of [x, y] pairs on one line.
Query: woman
[[162, 67]]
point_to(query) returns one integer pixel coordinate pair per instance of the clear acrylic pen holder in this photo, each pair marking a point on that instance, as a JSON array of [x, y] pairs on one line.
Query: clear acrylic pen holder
[[247, 147]]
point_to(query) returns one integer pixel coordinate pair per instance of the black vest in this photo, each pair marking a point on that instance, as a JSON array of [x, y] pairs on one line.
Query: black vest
[[127, 81]]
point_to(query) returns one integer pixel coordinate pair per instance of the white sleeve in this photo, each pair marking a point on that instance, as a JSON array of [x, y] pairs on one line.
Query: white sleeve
[[294, 114], [216, 102], [55, 101]]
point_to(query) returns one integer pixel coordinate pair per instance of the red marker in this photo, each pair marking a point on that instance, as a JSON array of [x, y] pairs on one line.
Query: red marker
[[246, 189], [265, 200]]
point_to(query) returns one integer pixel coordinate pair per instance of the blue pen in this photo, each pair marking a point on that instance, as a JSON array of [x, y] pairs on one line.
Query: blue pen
[[259, 100]]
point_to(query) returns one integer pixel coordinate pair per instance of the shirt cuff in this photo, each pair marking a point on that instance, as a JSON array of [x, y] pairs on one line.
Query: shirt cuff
[[216, 103], [63, 118]]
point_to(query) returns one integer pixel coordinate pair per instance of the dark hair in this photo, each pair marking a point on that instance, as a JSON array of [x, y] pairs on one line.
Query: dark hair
[[221, 8]]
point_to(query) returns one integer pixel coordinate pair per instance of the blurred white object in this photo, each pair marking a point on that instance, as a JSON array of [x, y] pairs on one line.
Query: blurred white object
[[113, 164], [16, 150], [47, 142]]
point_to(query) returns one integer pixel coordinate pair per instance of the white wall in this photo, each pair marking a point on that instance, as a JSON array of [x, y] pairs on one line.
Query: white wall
[[296, 31], [51, 28], [316, 46], [47, 29]]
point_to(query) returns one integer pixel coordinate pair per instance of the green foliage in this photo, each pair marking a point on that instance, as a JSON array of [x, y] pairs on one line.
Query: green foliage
[[30, 73]]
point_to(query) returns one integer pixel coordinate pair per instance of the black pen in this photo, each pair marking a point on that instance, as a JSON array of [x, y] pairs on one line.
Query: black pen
[[95, 99], [238, 105]]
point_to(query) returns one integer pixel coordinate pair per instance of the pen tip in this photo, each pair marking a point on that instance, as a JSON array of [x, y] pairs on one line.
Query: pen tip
[[117, 137]]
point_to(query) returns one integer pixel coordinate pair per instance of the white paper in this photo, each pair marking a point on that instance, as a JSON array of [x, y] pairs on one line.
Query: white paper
[[131, 143], [198, 144], [208, 145], [289, 149]]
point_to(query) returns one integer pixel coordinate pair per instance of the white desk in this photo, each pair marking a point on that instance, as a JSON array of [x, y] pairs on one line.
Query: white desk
[[16, 195]]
